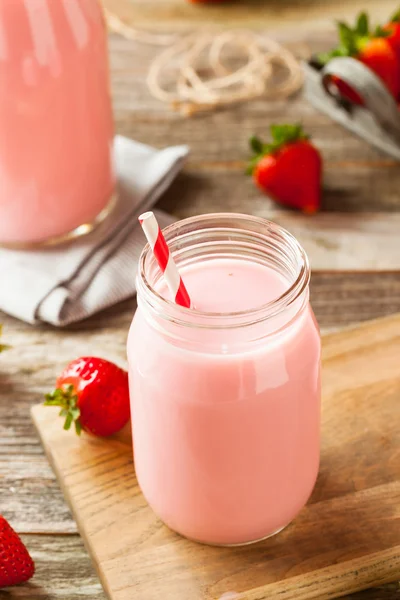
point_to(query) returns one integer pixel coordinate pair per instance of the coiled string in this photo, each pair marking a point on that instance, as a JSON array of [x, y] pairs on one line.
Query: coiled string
[[191, 73]]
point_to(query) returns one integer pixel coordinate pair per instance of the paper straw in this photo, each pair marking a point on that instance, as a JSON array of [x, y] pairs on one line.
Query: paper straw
[[164, 258]]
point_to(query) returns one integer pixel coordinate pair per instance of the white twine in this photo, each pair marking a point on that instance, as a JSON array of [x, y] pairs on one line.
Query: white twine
[[200, 78]]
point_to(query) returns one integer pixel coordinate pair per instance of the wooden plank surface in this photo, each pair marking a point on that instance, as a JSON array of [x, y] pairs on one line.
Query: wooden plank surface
[[357, 179], [360, 188], [251, 13], [346, 539]]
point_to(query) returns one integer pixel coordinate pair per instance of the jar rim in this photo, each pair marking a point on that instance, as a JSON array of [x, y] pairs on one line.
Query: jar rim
[[180, 314]]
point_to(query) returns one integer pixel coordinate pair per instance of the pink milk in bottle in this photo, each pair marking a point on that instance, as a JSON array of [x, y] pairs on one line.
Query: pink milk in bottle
[[226, 397], [56, 125]]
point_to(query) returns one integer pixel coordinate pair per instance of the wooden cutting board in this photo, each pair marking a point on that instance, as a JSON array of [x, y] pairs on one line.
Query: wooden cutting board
[[346, 539]]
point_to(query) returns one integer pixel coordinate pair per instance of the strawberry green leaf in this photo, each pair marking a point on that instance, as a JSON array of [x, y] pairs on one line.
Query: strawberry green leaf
[[284, 134], [78, 427], [281, 136], [68, 422], [346, 36], [67, 399], [51, 401], [396, 17], [252, 164], [325, 57], [381, 33], [256, 144], [362, 27], [75, 413], [281, 133], [352, 40]]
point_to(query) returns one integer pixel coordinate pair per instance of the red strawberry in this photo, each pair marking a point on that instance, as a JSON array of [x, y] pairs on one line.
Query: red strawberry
[[375, 51], [289, 168], [93, 393], [379, 56], [393, 33], [16, 566]]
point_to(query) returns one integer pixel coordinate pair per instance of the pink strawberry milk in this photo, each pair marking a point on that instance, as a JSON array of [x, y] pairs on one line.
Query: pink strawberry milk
[[56, 126], [225, 396]]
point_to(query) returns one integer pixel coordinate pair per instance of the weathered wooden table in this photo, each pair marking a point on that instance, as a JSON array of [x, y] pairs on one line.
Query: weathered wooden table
[[358, 183]]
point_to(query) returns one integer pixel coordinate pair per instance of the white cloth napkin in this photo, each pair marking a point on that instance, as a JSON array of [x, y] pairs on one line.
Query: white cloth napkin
[[66, 283]]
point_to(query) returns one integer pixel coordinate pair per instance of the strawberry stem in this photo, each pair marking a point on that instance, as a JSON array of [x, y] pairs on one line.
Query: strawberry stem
[[352, 40], [285, 134], [396, 17], [380, 32], [67, 399], [281, 135]]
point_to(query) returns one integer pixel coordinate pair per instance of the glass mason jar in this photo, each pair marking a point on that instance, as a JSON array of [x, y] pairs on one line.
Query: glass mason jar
[[56, 127], [226, 405]]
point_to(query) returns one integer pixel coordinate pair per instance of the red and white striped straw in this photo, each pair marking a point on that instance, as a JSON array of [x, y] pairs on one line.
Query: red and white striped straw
[[164, 258]]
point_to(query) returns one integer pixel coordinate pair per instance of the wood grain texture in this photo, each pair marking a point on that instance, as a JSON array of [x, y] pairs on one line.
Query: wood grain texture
[[346, 539], [359, 182], [346, 242], [61, 562], [64, 571], [164, 14]]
